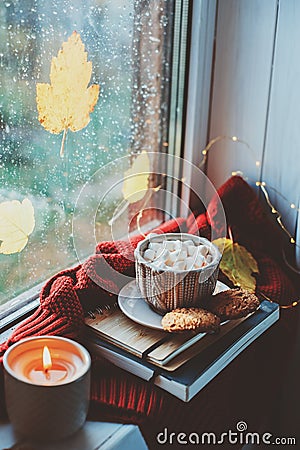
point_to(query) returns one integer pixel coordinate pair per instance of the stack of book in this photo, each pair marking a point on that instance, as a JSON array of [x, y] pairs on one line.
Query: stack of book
[[182, 364]]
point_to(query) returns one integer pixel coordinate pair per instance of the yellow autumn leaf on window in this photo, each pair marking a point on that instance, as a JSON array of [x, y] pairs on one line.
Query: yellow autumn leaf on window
[[237, 264], [16, 224], [67, 102], [135, 184]]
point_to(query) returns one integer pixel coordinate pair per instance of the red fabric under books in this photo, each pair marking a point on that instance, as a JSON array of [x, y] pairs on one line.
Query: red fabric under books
[[237, 393]]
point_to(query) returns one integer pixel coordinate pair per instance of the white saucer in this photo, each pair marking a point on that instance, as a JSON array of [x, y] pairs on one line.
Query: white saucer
[[134, 306]]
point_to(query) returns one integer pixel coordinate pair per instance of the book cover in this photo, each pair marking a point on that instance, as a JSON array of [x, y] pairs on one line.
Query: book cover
[[133, 326], [202, 365], [167, 350], [157, 346]]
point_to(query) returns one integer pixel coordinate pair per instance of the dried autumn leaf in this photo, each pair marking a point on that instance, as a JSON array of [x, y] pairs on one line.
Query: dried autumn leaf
[[67, 102], [237, 264], [136, 178], [16, 224]]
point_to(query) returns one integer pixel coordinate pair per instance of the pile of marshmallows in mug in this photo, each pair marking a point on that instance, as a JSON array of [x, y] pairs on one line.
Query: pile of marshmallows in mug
[[177, 255]]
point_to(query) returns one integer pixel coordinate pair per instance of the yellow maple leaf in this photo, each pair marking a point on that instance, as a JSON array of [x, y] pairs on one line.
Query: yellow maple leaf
[[135, 184], [16, 224], [237, 264], [67, 102]]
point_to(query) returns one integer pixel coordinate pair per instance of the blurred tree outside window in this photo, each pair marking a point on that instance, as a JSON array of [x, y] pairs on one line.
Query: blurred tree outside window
[[129, 43]]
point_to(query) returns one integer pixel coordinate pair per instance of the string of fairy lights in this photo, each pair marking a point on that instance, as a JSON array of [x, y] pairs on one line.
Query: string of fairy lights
[[264, 188]]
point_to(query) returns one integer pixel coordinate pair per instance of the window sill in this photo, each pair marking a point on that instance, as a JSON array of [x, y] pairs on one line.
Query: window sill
[[93, 435], [19, 307]]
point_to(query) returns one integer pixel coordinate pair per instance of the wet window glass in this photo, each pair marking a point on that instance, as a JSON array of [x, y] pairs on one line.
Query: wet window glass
[[128, 43]]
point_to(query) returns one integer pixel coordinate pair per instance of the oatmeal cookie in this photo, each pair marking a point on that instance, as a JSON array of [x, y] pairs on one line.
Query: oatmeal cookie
[[233, 304], [197, 319]]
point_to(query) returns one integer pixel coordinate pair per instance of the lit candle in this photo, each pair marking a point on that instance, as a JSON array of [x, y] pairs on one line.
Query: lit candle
[[44, 372], [47, 383]]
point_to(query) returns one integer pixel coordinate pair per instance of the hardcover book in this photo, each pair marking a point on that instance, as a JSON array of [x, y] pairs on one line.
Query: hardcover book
[[182, 364]]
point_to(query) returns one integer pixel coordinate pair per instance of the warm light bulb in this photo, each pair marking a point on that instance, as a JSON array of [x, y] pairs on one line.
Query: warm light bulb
[[47, 362]]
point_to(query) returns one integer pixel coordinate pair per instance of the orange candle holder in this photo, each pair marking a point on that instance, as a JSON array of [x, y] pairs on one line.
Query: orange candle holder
[[47, 386]]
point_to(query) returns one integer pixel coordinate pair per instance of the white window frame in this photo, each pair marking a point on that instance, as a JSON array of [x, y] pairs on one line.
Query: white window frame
[[199, 92]]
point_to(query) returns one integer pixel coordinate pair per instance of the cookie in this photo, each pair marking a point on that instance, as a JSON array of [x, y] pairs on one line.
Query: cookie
[[233, 304], [197, 319]]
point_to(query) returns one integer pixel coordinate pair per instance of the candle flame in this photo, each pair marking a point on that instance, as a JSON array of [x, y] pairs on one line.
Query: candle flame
[[47, 362]]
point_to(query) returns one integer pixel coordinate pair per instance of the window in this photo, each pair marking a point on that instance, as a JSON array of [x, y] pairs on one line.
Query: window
[[134, 46]]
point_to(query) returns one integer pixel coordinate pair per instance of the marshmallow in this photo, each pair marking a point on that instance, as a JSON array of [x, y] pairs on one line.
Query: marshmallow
[[189, 263], [177, 255], [178, 244], [170, 245], [163, 255], [173, 257], [191, 250], [149, 254], [155, 246], [203, 250], [188, 243], [200, 260], [166, 255], [182, 255], [179, 265], [209, 258]]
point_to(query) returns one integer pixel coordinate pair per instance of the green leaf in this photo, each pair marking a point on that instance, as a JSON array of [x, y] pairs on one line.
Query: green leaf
[[237, 264]]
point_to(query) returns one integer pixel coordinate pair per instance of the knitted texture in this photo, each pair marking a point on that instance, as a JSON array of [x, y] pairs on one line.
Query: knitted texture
[[118, 396], [68, 295]]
